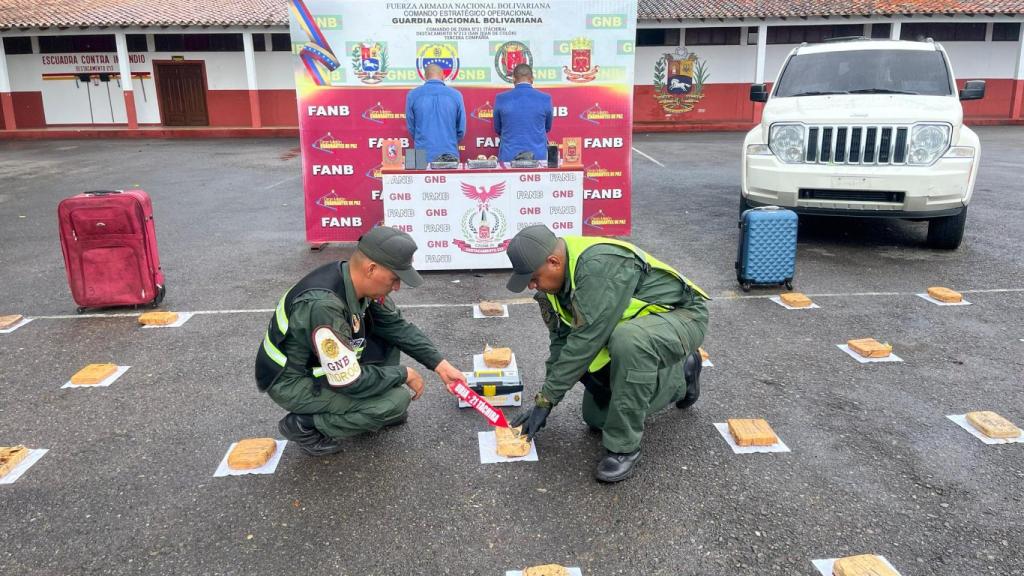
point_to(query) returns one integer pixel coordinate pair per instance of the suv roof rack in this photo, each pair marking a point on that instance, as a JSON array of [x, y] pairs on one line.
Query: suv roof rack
[[846, 38]]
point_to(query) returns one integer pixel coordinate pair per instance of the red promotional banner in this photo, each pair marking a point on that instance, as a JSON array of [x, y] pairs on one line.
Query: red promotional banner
[[357, 66]]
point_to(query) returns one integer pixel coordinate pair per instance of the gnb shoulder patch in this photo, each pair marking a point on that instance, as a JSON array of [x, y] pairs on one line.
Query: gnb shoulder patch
[[339, 362]]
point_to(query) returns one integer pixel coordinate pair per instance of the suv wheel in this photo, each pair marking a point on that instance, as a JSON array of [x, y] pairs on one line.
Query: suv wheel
[[947, 232]]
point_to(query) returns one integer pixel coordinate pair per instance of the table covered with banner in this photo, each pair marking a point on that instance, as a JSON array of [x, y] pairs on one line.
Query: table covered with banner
[[463, 219]]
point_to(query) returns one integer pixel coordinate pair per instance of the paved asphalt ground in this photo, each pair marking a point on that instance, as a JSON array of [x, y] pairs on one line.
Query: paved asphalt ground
[[875, 467]]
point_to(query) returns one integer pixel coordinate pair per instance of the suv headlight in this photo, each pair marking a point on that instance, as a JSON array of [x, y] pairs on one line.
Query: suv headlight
[[787, 142], [927, 143]]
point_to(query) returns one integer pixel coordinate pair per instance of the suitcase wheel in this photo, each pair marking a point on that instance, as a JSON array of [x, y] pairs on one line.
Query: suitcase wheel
[[160, 293], [81, 309], [745, 286], [789, 284]]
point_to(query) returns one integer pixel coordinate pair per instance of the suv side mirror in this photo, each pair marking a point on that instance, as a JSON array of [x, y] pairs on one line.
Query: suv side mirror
[[759, 92], [973, 90]]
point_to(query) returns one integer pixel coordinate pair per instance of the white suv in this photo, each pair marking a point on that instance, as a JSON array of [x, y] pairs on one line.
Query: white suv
[[866, 128]]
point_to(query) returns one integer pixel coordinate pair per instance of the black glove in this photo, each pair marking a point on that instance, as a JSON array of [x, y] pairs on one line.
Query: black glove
[[532, 421]]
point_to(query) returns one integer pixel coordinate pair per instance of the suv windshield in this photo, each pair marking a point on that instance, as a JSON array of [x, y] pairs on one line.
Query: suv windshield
[[865, 72]]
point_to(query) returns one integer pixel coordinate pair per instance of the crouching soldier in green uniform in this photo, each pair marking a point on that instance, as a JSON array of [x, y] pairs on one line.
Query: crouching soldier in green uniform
[[330, 355], [620, 321]]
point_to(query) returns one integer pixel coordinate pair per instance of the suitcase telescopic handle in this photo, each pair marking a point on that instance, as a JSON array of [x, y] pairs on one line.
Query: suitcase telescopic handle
[[102, 192]]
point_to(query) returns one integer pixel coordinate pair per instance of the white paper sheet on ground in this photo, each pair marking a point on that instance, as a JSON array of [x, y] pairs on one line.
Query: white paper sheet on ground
[[32, 458], [20, 323], [489, 450], [575, 571], [268, 468], [961, 420], [723, 429], [890, 358], [110, 380], [825, 566], [478, 314], [779, 301], [941, 303], [478, 364], [182, 318]]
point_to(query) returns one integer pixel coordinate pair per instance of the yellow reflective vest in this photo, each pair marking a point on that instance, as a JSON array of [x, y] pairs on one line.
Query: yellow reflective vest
[[575, 246]]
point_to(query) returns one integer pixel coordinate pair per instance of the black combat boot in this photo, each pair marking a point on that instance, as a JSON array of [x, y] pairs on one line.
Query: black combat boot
[[691, 370], [615, 466], [299, 428]]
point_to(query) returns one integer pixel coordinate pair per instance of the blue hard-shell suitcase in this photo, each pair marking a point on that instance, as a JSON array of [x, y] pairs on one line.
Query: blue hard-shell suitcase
[[767, 248]]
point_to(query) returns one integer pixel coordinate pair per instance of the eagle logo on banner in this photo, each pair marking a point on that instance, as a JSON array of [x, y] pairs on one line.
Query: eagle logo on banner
[[483, 227]]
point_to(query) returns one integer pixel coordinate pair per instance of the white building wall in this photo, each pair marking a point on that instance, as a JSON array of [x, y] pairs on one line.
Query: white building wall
[[726, 64], [972, 60], [774, 56], [70, 101], [274, 70], [735, 64]]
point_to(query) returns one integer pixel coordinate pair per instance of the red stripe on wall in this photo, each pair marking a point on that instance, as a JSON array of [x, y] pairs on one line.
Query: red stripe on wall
[[721, 104], [7, 111], [717, 103], [28, 109], [232, 108], [254, 109], [129, 107], [278, 108], [228, 107], [996, 103], [1017, 105]]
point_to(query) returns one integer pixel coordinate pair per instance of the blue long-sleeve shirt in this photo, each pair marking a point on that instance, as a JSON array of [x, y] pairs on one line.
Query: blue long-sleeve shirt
[[435, 116], [522, 118]]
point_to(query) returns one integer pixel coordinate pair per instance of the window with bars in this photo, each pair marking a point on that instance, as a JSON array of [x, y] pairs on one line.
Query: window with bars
[[881, 31], [943, 32], [657, 37], [811, 34], [87, 43], [718, 36], [1006, 32], [137, 43], [17, 45], [278, 43], [198, 42]]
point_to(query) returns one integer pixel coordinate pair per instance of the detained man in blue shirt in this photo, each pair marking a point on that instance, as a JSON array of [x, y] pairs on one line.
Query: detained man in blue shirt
[[435, 115], [522, 117]]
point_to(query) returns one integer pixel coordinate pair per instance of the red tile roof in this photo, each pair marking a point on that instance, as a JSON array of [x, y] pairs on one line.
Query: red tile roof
[[70, 13], [692, 9]]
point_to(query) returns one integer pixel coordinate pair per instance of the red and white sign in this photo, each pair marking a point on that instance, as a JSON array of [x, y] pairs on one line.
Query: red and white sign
[[355, 67], [494, 415], [464, 219]]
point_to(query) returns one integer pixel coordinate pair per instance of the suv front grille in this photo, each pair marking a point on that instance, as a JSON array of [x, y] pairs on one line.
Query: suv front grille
[[852, 195], [856, 145]]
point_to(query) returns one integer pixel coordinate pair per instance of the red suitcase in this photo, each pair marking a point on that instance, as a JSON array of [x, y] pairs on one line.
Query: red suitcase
[[109, 245]]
